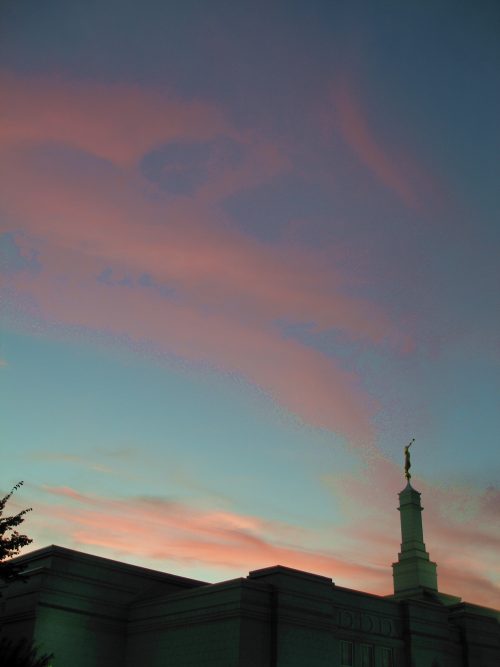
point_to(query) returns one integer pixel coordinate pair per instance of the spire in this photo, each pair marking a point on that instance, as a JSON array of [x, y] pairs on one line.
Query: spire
[[414, 573]]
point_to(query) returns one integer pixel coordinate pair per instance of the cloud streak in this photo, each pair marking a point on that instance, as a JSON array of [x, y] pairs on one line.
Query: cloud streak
[[179, 276], [158, 529], [153, 529], [117, 122], [389, 168], [74, 459], [458, 526], [298, 377]]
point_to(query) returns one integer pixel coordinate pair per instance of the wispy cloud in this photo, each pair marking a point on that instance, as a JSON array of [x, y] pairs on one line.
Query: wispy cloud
[[159, 529], [153, 529], [390, 167], [212, 295], [74, 459], [459, 526], [117, 122], [302, 379]]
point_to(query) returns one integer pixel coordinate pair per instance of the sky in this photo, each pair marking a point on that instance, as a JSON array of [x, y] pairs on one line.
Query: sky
[[248, 251]]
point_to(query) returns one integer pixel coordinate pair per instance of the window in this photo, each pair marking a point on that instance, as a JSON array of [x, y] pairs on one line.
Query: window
[[346, 654], [387, 660], [366, 655]]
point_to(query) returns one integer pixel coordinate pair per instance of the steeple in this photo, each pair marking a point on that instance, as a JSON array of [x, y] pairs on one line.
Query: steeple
[[414, 573]]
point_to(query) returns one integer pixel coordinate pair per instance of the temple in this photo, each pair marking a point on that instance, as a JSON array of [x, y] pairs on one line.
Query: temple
[[95, 612]]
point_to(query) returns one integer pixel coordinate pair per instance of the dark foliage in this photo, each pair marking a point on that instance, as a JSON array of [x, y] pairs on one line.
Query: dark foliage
[[21, 654], [11, 541]]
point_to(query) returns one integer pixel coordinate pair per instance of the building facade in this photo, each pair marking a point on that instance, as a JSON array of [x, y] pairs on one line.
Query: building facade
[[95, 612]]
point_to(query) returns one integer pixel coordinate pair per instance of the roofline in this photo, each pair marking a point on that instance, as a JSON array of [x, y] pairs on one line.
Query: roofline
[[56, 550]]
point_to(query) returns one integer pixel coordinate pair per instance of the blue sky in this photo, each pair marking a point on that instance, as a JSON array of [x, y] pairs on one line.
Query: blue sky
[[249, 250]]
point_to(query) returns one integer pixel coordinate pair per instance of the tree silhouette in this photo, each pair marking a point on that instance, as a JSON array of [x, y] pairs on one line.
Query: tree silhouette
[[11, 542], [22, 654]]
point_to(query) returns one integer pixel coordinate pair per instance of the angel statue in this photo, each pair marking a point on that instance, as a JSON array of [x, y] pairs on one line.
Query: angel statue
[[407, 459]]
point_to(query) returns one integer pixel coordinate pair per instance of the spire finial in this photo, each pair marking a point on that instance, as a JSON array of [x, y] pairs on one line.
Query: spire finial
[[407, 459]]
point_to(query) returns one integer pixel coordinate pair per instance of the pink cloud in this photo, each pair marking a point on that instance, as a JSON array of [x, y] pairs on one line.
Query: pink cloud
[[458, 530], [391, 169], [152, 529], [186, 241], [147, 530], [300, 378], [68, 492], [231, 290], [117, 122], [111, 222]]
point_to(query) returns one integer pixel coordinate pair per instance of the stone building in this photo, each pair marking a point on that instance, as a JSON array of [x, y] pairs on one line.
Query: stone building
[[95, 612]]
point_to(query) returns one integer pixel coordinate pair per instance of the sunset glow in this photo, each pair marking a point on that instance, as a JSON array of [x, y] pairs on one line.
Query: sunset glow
[[249, 250]]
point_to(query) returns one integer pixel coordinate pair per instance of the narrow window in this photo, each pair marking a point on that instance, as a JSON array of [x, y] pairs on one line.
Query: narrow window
[[346, 654], [366, 655], [387, 657]]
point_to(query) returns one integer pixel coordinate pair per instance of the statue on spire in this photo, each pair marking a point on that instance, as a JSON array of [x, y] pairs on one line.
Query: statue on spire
[[407, 459]]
